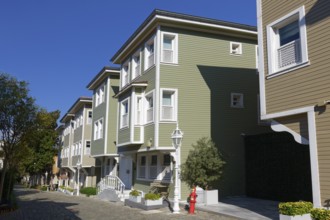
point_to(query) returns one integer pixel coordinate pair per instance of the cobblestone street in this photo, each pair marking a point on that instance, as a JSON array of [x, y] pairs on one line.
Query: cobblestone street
[[34, 205]]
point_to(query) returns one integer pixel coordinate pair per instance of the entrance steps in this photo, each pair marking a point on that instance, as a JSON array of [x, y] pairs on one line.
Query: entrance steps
[[113, 195]]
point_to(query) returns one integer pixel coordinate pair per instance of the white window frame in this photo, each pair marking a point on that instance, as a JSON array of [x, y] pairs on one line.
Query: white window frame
[[88, 149], [174, 47], [98, 129], [174, 103], [139, 110], [99, 95], [89, 119], [236, 48], [241, 101], [136, 66], [79, 148], [123, 113], [147, 52], [124, 78], [273, 41], [147, 108]]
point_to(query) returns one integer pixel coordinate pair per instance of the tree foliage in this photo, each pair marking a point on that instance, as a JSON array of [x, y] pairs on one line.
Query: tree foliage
[[17, 116], [204, 164], [27, 133], [41, 140]]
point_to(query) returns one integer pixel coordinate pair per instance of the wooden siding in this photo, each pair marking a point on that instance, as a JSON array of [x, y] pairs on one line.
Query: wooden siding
[[165, 132], [149, 133], [297, 123], [123, 136], [86, 159], [67, 141], [323, 144], [137, 133], [97, 146], [112, 116], [205, 77], [77, 134], [308, 85]]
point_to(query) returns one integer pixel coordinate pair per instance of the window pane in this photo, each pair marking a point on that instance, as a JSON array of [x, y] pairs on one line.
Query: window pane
[[153, 160], [143, 161], [289, 33], [167, 99], [167, 43], [167, 160]]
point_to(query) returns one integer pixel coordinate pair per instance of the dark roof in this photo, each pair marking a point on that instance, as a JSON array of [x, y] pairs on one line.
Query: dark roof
[[101, 72], [185, 17]]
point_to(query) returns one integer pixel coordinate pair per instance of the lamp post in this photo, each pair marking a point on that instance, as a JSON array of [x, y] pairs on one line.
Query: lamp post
[[78, 168], [46, 174], [176, 141]]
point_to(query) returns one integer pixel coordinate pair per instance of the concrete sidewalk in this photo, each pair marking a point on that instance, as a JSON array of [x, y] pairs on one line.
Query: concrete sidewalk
[[243, 208]]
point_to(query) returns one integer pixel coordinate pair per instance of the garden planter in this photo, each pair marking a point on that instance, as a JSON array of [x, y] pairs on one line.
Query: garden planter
[[153, 202], [135, 198], [211, 197], [296, 217]]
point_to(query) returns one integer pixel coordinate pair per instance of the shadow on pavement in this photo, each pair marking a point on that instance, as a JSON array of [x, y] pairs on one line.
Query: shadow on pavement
[[32, 208], [266, 208]]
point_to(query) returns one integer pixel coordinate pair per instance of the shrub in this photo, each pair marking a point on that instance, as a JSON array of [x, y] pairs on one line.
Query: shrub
[[134, 192], [69, 189], [204, 164], [152, 196], [295, 208], [320, 214], [88, 191], [44, 188]]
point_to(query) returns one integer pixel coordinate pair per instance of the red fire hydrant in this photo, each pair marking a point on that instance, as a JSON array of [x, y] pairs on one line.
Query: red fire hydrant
[[192, 201]]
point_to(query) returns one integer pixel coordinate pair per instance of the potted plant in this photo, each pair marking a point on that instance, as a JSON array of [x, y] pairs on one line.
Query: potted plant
[[203, 167], [135, 196], [320, 214], [153, 199], [295, 210]]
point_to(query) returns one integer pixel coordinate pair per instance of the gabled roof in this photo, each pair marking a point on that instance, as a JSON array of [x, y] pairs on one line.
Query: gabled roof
[[187, 21], [80, 102], [106, 71]]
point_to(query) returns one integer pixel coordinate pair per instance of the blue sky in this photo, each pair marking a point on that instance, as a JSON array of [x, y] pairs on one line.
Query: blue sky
[[58, 46]]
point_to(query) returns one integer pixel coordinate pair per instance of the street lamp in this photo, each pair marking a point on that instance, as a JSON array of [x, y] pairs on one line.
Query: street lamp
[[176, 141], [78, 168], [46, 174]]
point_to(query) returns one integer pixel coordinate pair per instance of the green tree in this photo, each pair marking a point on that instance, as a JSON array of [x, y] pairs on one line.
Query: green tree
[[17, 116], [41, 140], [204, 164]]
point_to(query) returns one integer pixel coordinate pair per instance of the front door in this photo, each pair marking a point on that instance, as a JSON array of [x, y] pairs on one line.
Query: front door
[[125, 171]]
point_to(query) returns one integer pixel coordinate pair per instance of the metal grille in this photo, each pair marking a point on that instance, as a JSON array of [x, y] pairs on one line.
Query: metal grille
[[167, 113], [289, 54], [168, 56]]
